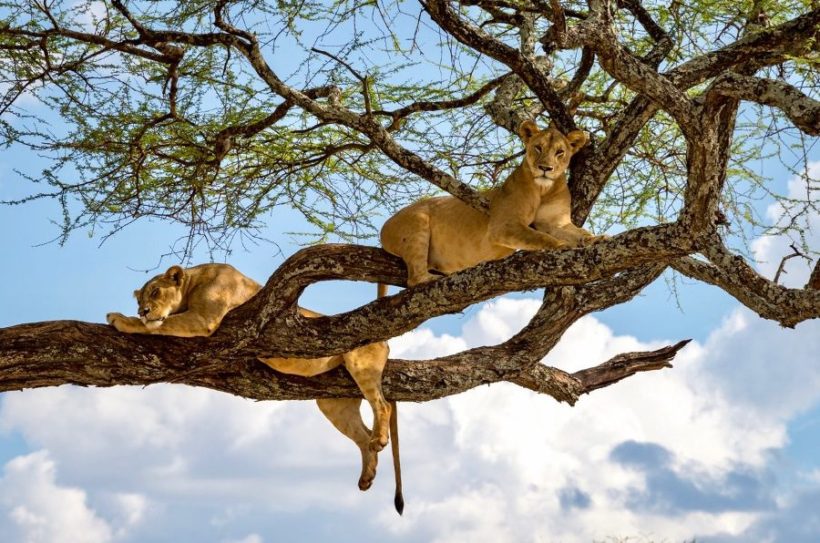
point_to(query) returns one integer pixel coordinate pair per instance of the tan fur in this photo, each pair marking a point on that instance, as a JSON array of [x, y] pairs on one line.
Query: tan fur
[[193, 301], [530, 211]]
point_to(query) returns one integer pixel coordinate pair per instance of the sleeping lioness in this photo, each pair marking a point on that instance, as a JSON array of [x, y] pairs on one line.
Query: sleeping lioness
[[192, 302], [531, 210]]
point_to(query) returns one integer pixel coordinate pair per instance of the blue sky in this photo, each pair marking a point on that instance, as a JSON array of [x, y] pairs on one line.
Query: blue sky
[[725, 447]]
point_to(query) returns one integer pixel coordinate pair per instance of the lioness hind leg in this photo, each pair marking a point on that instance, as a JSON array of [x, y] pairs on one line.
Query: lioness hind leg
[[413, 246], [344, 414], [366, 365]]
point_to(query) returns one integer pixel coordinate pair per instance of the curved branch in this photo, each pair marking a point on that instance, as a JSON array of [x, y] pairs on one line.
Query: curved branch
[[803, 111], [397, 314], [788, 306], [766, 47], [753, 51], [636, 74], [68, 352]]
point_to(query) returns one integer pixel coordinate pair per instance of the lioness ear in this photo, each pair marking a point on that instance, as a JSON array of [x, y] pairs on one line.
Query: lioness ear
[[175, 274], [527, 129], [577, 139]]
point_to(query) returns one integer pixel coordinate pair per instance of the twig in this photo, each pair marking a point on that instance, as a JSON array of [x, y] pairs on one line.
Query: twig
[[783, 262], [365, 80]]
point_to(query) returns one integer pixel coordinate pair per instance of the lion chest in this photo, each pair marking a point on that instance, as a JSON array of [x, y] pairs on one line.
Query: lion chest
[[552, 213]]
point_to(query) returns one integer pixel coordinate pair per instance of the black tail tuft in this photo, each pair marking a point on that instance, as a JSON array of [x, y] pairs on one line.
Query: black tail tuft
[[398, 501]]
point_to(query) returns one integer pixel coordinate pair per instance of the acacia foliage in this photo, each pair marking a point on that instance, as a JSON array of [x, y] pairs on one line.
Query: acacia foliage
[[213, 113], [191, 132]]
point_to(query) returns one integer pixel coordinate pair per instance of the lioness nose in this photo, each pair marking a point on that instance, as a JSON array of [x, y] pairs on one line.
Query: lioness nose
[[143, 311], [547, 168]]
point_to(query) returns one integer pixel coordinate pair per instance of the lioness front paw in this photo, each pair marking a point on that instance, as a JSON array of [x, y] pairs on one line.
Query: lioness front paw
[[122, 323], [111, 318], [418, 279], [593, 239]]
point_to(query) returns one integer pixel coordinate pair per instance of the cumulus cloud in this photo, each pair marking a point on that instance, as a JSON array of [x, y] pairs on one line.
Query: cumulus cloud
[[673, 454], [179, 442], [668, 455], [37, 509]]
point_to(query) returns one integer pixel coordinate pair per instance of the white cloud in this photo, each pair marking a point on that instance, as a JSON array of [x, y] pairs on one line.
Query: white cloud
[[770, 250], [252, 538], [40, 510], [668, 454], [547, 470]]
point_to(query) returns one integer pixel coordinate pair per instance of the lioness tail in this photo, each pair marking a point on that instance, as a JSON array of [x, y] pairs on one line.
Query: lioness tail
[[398, 500]]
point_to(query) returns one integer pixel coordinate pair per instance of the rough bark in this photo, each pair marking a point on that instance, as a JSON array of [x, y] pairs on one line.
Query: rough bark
[[578, 281]]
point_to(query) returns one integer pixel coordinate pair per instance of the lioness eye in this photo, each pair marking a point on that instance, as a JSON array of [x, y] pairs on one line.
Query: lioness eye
[[560, 152], [538, 148], [155, 293]]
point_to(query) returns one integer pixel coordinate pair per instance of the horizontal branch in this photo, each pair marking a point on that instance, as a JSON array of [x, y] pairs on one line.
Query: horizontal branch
[[69, 352], [755, 50]]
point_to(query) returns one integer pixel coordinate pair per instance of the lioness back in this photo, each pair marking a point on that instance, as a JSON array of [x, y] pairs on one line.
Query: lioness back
[[219, 283], [452, 234]]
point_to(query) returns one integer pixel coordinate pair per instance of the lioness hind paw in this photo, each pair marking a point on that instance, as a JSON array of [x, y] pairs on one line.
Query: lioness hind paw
[[365, 483], [378, 443]]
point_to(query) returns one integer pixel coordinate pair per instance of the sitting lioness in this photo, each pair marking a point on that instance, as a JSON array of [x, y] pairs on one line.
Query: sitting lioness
[[531, 210], [192, 302]]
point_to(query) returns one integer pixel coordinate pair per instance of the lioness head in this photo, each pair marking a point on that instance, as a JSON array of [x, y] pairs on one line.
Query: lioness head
[[548, 151], [160, 297]]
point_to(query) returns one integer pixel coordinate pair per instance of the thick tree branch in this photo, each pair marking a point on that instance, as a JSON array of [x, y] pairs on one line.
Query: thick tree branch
[[765, 47], [599, 33], [753, 51], [63, 352], [803, 111], [70, 352], [731, 273], [404, 311]]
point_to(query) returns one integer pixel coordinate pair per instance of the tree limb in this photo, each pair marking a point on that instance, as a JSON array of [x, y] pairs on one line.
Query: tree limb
[[803, 111], [69, 352], [626, 364], [731, 273]]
